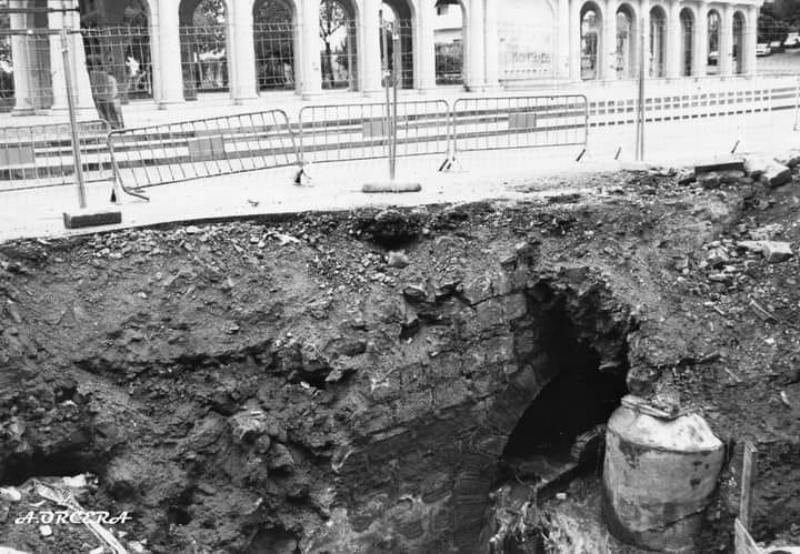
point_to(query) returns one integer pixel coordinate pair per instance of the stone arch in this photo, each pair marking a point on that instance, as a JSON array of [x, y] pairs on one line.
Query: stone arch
[[450, 41], [591, 25], [204, 46], [117, 40], [627, 24], [739, 25], [340, 40], [712, 38], [402, 14], [687, 23], [274, 40], [658, 41]]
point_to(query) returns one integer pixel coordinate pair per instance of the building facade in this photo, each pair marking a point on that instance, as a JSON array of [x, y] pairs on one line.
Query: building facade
[[175, 51]]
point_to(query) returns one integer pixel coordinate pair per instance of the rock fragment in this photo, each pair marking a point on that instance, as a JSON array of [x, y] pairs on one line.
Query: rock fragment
[[776, 252]]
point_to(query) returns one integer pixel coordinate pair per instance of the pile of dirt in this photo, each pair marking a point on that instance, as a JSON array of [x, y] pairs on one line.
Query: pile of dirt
[[350, 381]]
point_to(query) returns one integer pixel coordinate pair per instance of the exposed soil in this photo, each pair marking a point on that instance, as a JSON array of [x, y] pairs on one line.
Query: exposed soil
[[371, 381]]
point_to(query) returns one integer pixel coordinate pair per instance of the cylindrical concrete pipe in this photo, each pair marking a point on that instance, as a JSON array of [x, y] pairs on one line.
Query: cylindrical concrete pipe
[[658, 477]]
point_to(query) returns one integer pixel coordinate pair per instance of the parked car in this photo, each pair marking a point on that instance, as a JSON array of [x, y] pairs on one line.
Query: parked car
[[792, 40], [762, 49], [775, 47]]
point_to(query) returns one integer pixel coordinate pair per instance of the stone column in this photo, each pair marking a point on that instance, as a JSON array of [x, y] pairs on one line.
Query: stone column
[[369, 51], [241, 58], [168, 87], [425, 48], [575, 40], [674, 53], [700, 63], [726, 42], [563, 45], [608, 69], [644, 42], [81, 88], [475, 74], [491, 45], [23, 91], [55, 20], [310, 69], [750, 40]]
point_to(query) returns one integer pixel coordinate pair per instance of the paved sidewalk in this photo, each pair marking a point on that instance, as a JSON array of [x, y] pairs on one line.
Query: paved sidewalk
[[511, 174]]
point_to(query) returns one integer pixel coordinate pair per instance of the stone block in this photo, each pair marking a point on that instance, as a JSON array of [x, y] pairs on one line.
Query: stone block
[[515, 306], [91, 218], [776, 252], [776, 174]]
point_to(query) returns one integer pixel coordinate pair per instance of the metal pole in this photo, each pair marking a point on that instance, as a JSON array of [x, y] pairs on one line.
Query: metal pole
[[396, 76], [641, 112], [385, 72], [73, 123]]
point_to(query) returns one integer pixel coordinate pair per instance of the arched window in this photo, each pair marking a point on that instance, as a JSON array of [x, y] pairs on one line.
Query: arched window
[[397, 14], [6, 63], [449, 42], [687, 42], [204, 48], [273, 38], [658, 47], [591, 41], [339, 44], [117, 40], [626, 43], [713, 42]]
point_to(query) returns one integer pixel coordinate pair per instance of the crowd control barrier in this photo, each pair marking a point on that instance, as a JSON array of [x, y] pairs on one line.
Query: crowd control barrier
[[519, 122], [361, 131], [40, 156], [173, 152]]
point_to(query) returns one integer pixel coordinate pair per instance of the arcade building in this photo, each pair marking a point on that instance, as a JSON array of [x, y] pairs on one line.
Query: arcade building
[[175, 51]]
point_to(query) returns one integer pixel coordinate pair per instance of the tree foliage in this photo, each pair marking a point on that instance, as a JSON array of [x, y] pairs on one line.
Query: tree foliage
[[771, 25]]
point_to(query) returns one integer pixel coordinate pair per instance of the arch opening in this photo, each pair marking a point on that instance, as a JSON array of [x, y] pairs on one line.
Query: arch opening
[[449, 42], [712, 40], [6, 63], [687, 42], [204, 47], [658, 46], [398, 15], [116, 40], [338, 32], [591, 41], [626, 43], [274, 35]]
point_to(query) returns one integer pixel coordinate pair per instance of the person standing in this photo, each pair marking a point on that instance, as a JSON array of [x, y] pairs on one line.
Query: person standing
[[105, 92]]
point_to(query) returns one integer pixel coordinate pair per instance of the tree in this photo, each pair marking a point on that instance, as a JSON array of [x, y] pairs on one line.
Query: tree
[[272, 11], [332, 18], [770, 25]]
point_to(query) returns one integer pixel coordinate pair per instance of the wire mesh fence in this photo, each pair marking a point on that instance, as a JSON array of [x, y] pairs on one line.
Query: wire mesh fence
[[41, 156], [123, 52], [274, 52], [204, 60], [339, 56], [449, 63], [169, 153]]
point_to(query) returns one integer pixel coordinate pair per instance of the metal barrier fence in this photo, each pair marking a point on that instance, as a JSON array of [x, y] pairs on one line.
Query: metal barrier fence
[[169, 153], [519, 122], [361, 131], [40, 156], [701, 99]]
